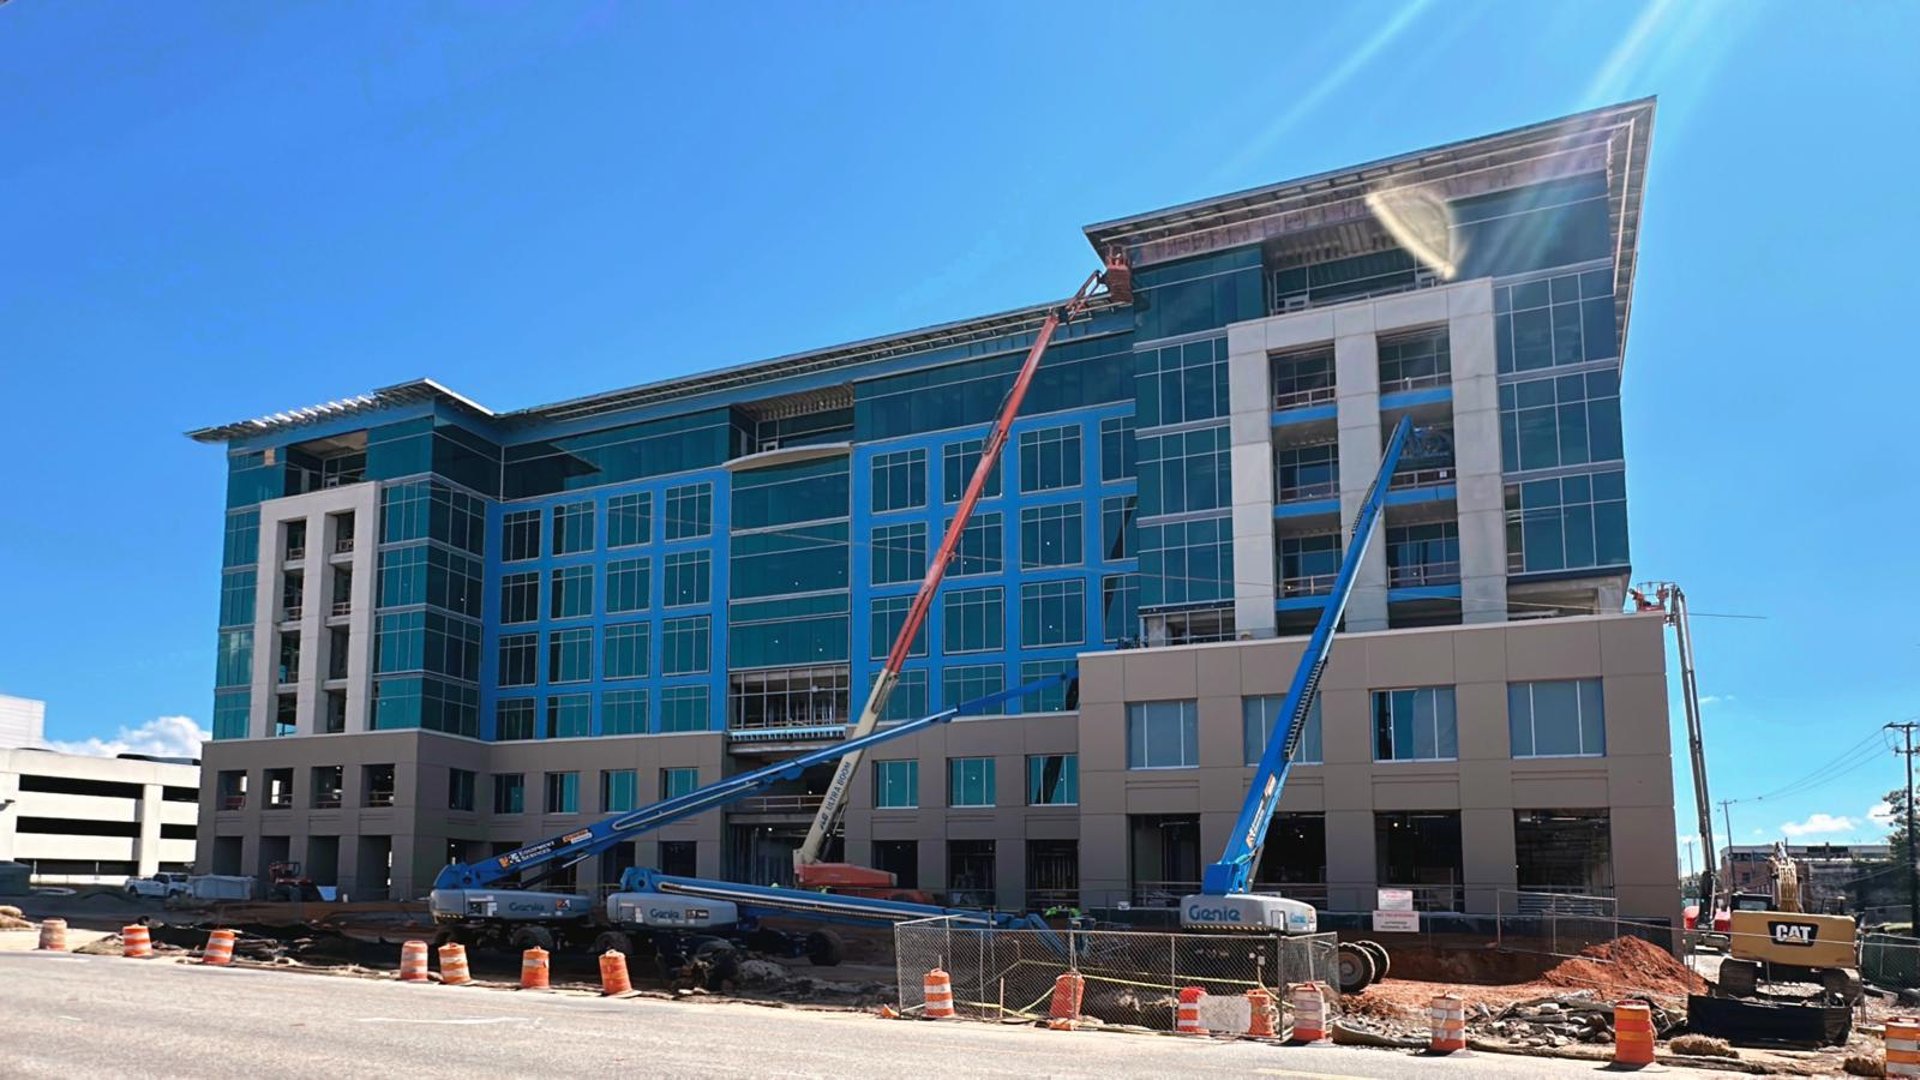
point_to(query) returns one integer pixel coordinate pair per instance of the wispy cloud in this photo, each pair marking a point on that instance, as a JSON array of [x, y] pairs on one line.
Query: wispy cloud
[[1881, 814], [163, 736], [1716, 699], [1817, 824]]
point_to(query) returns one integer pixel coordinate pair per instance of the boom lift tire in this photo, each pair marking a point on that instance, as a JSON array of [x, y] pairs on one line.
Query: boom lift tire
[[613, 941], [1353, 968], [825, 949], [1382, 963], [717, 963], [528, 937]]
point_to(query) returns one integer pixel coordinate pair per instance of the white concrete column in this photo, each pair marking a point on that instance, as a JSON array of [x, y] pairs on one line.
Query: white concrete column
[[1356, 362], [1250, 398], [1476, 449], [147, 854]]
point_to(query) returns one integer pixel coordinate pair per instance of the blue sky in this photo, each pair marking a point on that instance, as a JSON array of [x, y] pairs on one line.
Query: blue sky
[[212, 211]]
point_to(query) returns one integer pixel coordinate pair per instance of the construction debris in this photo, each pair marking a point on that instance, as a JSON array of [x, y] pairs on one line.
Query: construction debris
[[11, 918], [1702, 1046]]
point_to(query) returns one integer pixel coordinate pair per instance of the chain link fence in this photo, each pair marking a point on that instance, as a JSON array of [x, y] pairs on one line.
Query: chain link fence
[[1890, 961], [1557, 923], [1133, 978]]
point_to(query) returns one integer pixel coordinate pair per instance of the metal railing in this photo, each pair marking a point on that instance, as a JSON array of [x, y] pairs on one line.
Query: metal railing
[[1416, 382], [1164, 894], [283, 801], [327, 802], [343, 545], [233, 802], [379, 798], [1309, 585], [1295, 399], [1300, 492], [778, 804], [343, 607], [1431, 573], [296, 553], [1411, 478], [290, 613]]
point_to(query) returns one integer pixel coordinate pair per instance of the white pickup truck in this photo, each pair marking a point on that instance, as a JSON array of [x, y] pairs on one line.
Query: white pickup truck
[[158, 887]]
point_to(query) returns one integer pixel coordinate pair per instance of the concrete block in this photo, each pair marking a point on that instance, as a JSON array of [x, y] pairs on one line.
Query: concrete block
[[1405, 311], [1299, 330]]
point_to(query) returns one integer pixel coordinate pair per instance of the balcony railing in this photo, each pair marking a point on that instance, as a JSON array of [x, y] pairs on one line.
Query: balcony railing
[[290, 613], [233, 802], [1324, 489], [1295, 399], [1429, 573], [1162, 894], [1416, 382], [327, 802], [1413, 478], [296, 552], [343, 546], [342, 607], [379, 798], [1308, 585], [281, 801], [779, 804], [1040, 900]]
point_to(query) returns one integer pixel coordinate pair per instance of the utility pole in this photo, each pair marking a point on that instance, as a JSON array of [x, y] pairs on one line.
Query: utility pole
[[1913, 865]]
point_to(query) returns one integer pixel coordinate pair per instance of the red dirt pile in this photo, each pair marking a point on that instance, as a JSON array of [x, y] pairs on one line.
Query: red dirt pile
[[1625, 965]]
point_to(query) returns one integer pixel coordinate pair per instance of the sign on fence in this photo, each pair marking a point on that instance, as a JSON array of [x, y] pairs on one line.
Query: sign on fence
[[1395, 900], [1396, 922]]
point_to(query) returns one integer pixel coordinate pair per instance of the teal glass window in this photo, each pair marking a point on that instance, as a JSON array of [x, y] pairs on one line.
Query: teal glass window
[[1197, 294], [572, 592], [899, 553], [1413, 360], [399, 642], [623, 712], [629, 519], [962, 683], [619, 790], [1185, 471], [234, 665], [509, 793], [570, 655], [460, 785], [685, 708], [520, 597], [1571, 522], [569, 716], [617, 454], [519, 659], [1259, 717], [519, 535], [396, 703], [514, 719], [797, 559], [1309, 564], [403, 577], [909, 698], [796, 630], [1053, 698], [957, 464], [887, 615], [237, 589], [1415, 725], [1119, 607], [684, 644], [975, 620], [1426, 554], [970, 781], [405, 511], [1163, 735], [956, 395], [1117, 460], [1118, 538], [573, 528], [1306, 472], [899, 480], [628, 646], [689, 511], [981, 549], [628, 583], [563, 793], [1050, 458], [1179, 384], [1565, 319], [1554, 422], [678, 781], [231, 714], [689, 578], [1562, 718], [1051, 536], [789, 494], [1302, 377], [896, 785], [450, 707], [240, 545], [1053, 780], [1053, 613], [1184, 562]]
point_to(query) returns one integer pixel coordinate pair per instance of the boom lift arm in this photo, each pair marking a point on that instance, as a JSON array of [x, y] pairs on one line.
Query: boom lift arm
[[559, 852], [1232, 875], [808, 869], [1666, 596]]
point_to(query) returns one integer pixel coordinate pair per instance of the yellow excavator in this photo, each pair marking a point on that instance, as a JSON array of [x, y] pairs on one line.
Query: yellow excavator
[[1783, 944]]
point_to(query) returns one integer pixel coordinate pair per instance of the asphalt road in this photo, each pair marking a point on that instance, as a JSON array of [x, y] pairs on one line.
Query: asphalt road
[[70, 1016]]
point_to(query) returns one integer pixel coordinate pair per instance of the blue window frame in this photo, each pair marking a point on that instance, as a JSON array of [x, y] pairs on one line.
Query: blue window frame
[[628, 646], [570, 655], [1185, 471], [1053, 699], [909, 698], [689, 578], [520, 597], [519, 659], [1119, 607], [1118, 538], [963, 683], [1050, 458], [1117, 453], [899, 553], [628, 583], [1565, 319], [629, 519], [571, 592], [958, 461], [1053, 613], [982, 546], [569, 716], [886, 616], [685, 644], [1555, 422], [623, 712], [1570, 522], [1051, 536], [899, 480], [573, 528], [519, 535], [685, 708], [514, 719], [689, 511], [1179, 384]]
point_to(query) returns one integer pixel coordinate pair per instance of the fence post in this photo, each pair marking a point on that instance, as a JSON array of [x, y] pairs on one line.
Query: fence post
[[1173, 977]]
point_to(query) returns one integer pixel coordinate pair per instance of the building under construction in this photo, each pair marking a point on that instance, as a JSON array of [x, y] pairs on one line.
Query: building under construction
[[446, 631]]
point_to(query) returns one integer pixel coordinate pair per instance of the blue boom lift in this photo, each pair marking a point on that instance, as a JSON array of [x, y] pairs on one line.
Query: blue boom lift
[[1227, 900], [689, 924]]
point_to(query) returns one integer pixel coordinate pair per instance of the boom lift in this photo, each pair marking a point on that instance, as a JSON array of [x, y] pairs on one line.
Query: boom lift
[[472, 903], [1665, 596], [809, 871], [1227, 900]]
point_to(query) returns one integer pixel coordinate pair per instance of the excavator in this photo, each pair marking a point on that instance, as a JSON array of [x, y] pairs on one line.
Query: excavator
[[1112, 282], [1784, 944]]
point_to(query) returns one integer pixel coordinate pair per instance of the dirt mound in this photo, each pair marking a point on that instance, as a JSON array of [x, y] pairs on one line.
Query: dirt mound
[[1625, 965]]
